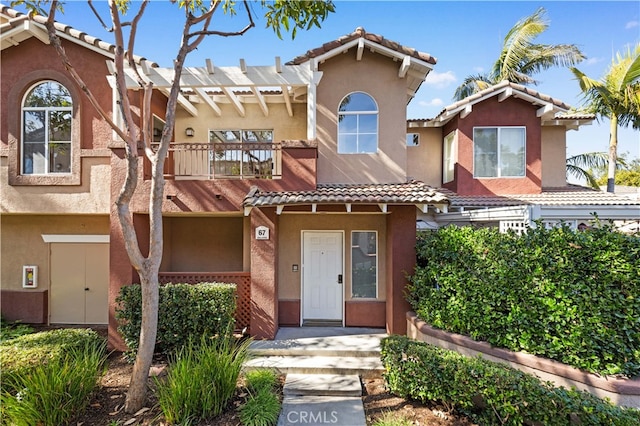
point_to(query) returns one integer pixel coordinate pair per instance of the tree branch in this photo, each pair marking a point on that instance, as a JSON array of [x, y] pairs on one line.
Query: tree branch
[[206, 31], [97, 15]]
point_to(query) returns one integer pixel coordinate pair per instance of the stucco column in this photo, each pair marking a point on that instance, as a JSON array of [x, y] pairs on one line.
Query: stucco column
[[401, 260], [264, 274]]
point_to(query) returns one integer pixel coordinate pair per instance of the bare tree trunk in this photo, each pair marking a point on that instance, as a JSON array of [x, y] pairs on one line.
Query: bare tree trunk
[[613, 154], [137, 393]]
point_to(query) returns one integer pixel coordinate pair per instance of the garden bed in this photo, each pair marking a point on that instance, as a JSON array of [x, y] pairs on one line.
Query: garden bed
[[621, 391]]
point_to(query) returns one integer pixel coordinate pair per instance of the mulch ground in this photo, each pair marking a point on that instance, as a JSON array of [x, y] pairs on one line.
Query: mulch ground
[[107, 403]]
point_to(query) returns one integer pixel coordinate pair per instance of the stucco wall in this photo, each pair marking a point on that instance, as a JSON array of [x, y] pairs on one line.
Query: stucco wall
[[378, 77], [290, 248], [22, 243], [203, 244], [491, 112], [284, 127], [424, 162], [554, 153], [90, 197]]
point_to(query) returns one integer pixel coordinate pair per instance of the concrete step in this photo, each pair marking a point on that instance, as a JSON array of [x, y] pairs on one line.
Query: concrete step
[[322, 411], [328, 352], [364, 366], [322, 385]]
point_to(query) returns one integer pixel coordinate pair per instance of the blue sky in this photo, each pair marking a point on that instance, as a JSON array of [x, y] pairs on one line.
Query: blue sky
[[465, 37]]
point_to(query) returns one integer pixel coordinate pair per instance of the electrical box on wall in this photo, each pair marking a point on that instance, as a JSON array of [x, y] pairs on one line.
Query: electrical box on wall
[[29, 276]]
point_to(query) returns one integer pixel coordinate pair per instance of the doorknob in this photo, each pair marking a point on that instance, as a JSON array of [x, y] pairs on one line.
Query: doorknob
[[340, 279], [86, 289]]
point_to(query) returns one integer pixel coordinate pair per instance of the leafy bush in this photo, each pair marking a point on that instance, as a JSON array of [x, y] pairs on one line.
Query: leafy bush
[[52, 392], [201, 378], [490, 393], [261, 409], [261, 379], [569, 296], [23, 353], [185, 311]]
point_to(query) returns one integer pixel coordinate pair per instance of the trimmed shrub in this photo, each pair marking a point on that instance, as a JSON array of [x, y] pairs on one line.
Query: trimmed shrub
[[26, 352], [201, 379], [569, 296], [257, 380], [185, 312], [11, 330], [57, 386], [490, 393]]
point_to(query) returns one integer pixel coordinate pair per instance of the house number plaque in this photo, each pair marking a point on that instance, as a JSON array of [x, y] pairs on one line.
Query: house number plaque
[[262, 233]]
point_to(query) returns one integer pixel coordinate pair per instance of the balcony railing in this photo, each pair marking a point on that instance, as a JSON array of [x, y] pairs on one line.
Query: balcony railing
[[224, 161]]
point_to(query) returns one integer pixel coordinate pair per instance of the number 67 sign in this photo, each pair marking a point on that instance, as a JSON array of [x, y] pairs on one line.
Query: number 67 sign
[[262, 233]]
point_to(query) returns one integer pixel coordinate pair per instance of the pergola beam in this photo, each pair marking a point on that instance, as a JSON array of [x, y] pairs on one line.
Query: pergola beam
[[234, 101], [209, 101]]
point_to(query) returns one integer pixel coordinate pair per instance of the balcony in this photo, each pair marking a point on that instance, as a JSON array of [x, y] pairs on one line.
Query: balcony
[[231, 160]]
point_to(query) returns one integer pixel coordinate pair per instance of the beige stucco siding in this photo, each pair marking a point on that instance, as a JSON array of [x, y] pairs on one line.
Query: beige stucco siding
[[92, 196], [424, 162], [284, 127], [22, 243], [554, 154], [378, 77], [290, 247], [203, 244]]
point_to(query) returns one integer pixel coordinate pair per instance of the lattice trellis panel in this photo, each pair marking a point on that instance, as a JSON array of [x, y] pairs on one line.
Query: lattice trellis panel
[[242, 280]]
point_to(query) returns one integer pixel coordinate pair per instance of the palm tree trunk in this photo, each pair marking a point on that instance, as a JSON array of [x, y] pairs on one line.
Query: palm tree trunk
[[613, 154]]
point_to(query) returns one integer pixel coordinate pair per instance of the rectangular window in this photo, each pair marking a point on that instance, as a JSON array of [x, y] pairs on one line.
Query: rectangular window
[[242, 153], [413, 139], [449, 157], [499, 152], [364, 264]]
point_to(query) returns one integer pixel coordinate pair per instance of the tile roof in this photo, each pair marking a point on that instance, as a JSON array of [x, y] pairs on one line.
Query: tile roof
[[16, 20], [564, 196], [391, 193], [361, 33]]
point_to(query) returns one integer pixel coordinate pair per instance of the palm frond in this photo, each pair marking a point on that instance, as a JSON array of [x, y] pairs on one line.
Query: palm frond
[[542, 57], [582, 174], [516, 44], [589, 160], [472, 84]]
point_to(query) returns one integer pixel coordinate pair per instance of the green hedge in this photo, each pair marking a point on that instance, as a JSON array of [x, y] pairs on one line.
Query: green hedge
[[21, 354], [490, 393], [569, 296], [185, 311]]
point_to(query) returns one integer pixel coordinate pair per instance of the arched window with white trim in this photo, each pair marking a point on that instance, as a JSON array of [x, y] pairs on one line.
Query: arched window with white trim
[[47, 112], [358, 124]]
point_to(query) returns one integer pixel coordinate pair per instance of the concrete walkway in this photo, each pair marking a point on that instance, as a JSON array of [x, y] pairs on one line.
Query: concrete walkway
[[323, 367]]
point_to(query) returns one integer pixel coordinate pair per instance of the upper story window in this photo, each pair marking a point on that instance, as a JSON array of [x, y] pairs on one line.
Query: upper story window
[[47, 112], [358, 124], [243, 153], [413, 139], [499, 152], [449, 157]]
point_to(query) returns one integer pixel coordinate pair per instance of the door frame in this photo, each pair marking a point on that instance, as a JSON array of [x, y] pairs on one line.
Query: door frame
[[344, 277]]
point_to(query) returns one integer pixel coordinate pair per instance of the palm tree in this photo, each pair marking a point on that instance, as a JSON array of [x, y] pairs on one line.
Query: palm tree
[[520, 58], [617, 97], [590, 166]]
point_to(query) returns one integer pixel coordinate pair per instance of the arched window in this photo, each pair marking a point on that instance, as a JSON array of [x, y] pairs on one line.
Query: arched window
[[358, 124], [47, 113]]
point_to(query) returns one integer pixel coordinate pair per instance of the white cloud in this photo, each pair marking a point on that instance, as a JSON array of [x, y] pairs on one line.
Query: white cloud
[[440, 80], [593, 61], [631, 24], [433, 102]]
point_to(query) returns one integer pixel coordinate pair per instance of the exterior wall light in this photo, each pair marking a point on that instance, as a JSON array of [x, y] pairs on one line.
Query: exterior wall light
[[189, 132]]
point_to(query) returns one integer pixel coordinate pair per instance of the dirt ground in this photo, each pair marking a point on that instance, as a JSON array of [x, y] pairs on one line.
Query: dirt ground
[[106, 405]]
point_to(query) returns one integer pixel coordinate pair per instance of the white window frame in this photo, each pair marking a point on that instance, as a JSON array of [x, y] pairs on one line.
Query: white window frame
[[358, 133], [47, 142], [449, 155], [498, 168], [377, 262]]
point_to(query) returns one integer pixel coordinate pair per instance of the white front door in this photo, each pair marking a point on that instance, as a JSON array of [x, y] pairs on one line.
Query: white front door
[[322, 279]]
